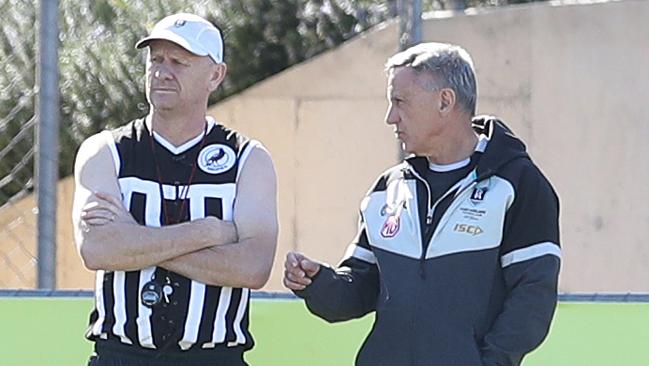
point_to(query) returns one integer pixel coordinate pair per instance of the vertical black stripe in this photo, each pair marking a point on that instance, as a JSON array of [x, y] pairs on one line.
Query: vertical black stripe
[[178, 306], [245, 322], [131, 299], [242, 148], [136, 207], [214, 207], [109, 303], [230, 336], [206, 329]]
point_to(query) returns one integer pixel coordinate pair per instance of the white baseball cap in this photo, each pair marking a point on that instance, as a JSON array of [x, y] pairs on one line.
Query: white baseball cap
[[189, 31]]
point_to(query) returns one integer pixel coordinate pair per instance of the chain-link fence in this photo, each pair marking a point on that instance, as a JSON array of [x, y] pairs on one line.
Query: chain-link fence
[[101, 82], [17, 127], [99, 88], [101, 85]]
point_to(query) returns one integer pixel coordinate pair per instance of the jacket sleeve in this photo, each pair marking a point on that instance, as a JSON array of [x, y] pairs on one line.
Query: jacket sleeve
[[351, 290], [530, 258]]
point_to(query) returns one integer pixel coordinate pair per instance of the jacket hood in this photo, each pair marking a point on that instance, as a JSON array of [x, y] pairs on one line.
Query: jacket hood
[[503, 147]]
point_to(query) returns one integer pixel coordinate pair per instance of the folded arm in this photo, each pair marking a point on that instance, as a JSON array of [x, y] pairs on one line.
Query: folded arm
[[248, 261], [106, 234]]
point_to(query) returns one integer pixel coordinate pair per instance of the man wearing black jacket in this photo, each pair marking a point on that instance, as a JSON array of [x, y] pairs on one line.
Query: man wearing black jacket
[[458, 248]]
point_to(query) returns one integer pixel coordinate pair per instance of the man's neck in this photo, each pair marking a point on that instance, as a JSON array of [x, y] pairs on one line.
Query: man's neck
[[458, 144], [175, 128]]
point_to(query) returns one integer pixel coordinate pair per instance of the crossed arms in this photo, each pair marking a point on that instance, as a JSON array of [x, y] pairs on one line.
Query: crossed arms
[[209, 250]]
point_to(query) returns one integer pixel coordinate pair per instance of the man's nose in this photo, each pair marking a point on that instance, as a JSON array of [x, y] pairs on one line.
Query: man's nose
[[161, 72], [391, 116]]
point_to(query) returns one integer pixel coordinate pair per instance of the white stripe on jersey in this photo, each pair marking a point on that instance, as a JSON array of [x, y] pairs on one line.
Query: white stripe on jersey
[[130, 185], [218, 336], [243, 305], [194, 313], [99, 303], [530, 252], [119, 310], [359, 252], [143, 320], [110, 141], [196, 195], [198, 192]]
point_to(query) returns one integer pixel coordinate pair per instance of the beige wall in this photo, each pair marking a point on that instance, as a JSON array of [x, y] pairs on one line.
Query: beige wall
[[18, 249], [568, 79], [571, 80]]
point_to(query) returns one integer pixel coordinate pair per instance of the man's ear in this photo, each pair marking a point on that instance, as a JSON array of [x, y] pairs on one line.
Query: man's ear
[[217, 74], [447, 100]]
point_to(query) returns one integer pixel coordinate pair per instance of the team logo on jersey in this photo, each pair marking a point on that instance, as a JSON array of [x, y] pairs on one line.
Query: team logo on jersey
[[391, 226], [478, 194], [216, 158]]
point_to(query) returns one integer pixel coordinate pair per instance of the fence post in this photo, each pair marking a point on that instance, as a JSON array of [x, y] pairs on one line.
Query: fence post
[[47, 141], [409, 23], [409, 35]]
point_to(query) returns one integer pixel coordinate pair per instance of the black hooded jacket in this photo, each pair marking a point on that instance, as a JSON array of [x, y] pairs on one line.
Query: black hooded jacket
[[468, 279]]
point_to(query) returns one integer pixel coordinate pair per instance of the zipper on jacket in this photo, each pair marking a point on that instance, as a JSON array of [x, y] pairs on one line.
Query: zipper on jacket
[[460, 187], [430, 210], [444, 219], [429, 221]]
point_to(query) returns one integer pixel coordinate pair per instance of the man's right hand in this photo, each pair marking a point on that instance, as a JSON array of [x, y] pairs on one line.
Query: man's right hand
[[298, 271]]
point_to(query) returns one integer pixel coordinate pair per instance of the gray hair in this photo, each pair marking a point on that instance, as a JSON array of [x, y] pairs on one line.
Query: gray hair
[[449, 65]]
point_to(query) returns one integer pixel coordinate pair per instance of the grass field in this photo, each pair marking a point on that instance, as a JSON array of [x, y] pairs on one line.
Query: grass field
[[49, 331]]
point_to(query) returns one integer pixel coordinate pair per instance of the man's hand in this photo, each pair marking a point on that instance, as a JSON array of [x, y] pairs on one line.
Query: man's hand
[[105, 209], [298, 271]]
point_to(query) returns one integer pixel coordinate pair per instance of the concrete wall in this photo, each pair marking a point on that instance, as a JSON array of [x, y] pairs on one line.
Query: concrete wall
[[18, 249], [567, 79]]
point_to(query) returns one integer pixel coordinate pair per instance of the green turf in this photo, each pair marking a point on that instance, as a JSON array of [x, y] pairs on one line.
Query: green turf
[[44, 332]]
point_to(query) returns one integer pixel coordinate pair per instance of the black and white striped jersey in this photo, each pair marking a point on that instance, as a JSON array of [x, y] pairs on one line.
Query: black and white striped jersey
[[196, 315]]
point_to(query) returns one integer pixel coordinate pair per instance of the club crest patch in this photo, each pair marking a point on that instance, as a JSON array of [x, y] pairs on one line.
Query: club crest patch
[[216, 159], [390, 227], [478, 194]]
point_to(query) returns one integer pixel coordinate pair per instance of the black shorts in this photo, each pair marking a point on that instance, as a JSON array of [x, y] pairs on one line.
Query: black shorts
[[105, 355]]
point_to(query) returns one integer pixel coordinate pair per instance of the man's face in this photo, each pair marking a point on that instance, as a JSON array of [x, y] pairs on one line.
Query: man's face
[[177, 79], [413, 111]]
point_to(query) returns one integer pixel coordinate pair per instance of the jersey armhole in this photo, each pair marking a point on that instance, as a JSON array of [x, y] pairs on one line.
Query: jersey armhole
[[244, 153], [110, 142]]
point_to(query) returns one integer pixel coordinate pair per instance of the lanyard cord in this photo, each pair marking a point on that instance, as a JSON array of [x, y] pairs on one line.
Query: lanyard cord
[[185, 190]]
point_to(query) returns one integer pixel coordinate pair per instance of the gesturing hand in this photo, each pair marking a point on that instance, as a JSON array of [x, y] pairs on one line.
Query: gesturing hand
[[298, 271]]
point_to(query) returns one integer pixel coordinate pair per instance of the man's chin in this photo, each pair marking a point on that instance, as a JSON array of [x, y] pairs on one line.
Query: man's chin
[[164, 106]]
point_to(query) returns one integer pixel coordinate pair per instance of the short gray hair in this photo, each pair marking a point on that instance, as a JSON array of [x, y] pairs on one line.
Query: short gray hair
[[449, 65]]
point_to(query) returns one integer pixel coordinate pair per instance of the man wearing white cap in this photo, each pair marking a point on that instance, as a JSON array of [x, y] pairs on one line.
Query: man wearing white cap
[[177, 215]]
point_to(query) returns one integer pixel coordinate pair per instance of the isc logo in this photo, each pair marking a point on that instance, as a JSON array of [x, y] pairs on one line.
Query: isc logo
[[469, 229]]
